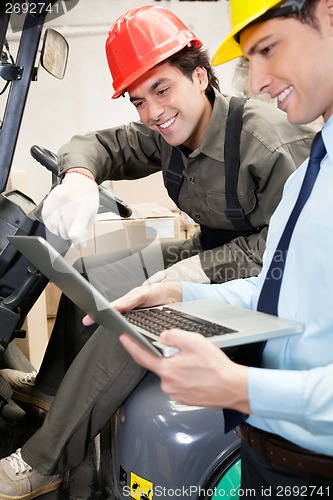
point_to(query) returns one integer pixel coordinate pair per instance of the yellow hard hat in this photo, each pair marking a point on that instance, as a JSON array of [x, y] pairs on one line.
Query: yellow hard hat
[[245, 12]]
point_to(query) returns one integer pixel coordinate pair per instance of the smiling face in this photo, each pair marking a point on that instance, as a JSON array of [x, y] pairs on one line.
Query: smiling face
[[293, 62], [172, 104]]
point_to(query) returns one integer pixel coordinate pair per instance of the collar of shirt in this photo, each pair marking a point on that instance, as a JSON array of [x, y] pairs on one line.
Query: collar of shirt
[[213, 142], [327, 133]]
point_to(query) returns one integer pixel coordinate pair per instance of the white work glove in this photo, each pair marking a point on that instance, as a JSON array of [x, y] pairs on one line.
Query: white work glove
[[71, 207], [186, 270]]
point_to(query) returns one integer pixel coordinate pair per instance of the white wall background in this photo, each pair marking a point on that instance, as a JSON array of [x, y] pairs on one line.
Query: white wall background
[[57, 109]]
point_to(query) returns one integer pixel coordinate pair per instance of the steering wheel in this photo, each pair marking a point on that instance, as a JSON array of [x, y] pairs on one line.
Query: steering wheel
[[107, 198]]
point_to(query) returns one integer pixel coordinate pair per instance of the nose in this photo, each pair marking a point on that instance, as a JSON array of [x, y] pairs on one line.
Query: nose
[[260, 79], [155, 110]]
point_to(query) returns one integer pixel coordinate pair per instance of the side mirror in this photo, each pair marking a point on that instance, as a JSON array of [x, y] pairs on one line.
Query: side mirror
[[54, 53]]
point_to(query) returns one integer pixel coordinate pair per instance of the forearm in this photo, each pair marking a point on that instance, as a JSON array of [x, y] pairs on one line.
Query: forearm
[[125, 152], [241, 258], [233, 391]]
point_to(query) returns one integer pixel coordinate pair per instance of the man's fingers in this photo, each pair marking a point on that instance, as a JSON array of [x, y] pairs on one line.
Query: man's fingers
[[181, 339], [87, 321]]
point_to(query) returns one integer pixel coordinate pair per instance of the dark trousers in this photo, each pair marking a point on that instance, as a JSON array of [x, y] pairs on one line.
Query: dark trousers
[[263, 479], [98, 381]]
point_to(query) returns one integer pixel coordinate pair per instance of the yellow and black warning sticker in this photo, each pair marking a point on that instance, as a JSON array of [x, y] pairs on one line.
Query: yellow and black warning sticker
[[140, 488]]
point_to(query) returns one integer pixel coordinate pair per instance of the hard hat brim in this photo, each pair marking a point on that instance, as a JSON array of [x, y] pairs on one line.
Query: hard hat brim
[[229, 49], [144, 69]]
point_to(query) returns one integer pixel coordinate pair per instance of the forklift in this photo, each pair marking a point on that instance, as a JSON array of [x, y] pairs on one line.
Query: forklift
[[152, 447]]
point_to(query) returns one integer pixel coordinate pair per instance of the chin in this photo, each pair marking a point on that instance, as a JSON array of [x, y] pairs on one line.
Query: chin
[[296, 119], [173, 141]]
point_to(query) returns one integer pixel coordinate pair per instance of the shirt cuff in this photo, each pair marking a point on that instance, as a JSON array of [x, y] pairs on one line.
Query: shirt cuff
[[196, 291], [276, 394]]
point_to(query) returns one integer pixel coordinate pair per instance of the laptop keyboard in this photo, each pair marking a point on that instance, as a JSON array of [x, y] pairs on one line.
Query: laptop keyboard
[[157, 320]]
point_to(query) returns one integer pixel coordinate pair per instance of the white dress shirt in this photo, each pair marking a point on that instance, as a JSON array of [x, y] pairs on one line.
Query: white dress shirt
[[292, 394]]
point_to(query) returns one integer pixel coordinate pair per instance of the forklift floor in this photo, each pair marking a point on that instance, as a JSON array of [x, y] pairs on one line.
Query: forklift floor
[[82, 483]]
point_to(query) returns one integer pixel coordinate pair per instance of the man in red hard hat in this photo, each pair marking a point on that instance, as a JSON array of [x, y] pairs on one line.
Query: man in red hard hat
[[156, 60], [141, 39], [160, 64]]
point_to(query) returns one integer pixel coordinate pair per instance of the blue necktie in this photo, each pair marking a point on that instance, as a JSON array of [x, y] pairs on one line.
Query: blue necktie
[[269, 295], [250, 354]]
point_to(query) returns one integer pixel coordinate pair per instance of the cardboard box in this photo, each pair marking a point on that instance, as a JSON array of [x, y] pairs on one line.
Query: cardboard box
[[148, 222], [150, 188]]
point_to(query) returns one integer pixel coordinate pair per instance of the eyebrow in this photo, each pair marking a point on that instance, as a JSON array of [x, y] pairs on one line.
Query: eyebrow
[[153, 87], [253, 50]]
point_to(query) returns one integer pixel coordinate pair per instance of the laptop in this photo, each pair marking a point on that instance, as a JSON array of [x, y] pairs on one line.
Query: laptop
[[228, 325]]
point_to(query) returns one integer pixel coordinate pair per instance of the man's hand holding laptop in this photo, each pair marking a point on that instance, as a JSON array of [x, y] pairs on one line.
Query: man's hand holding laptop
[[200, 374]]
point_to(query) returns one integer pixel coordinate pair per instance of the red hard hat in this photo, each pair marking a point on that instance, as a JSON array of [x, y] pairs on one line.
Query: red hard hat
[[142, 38]]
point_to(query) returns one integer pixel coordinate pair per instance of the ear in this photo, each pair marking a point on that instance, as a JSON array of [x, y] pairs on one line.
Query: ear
[[200, 74]]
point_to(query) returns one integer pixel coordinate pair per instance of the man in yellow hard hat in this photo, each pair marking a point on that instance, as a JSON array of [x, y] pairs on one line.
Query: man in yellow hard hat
[[287, 438], [160, 63]]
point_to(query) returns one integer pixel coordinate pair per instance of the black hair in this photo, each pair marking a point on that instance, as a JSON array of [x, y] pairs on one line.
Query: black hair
[[189, 58], [307, 14]]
